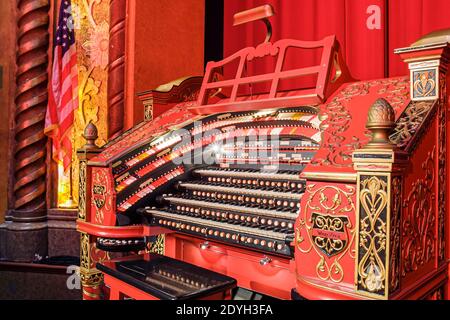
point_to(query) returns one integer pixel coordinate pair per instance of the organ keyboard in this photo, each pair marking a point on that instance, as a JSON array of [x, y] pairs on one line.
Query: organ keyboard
[[283, 189]]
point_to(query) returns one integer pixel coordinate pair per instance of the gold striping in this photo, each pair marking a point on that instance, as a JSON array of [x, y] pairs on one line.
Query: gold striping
[[330, 176]]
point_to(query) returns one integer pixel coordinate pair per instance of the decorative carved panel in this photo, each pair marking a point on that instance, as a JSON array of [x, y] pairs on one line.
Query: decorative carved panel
[[373, 234], [91, 23], [325, 228], [419, 219]]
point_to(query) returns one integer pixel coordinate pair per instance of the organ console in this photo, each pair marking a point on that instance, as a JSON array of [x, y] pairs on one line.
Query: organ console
[[331, 192]]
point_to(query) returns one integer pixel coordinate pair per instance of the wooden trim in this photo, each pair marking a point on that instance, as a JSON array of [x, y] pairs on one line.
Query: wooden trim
[[32, 267]]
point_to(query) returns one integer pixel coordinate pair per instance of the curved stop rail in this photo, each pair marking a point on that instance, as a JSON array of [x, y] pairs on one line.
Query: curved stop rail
[[331, 73]]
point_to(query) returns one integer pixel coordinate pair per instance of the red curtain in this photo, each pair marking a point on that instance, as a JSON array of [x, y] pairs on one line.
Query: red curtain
[[367, 51]]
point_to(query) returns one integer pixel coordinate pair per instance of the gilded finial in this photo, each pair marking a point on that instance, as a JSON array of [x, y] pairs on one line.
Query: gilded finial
[[91, 135], [380, 122]]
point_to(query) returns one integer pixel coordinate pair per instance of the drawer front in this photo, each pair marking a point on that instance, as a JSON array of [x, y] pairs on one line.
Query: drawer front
[[255, 271], [204, 254]]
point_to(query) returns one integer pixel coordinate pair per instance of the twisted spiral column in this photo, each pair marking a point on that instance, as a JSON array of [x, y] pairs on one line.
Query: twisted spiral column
[[31, 102], [116, 71]]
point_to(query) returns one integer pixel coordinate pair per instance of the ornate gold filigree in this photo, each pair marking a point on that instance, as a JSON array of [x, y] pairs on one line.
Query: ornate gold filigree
[[395, 240], [329, 233], [337, 119], [84, 251], [82, 191], [91, 279], [92, 75], [409, 124], [90, 255], [425, 83], [419, 222], [327, 204], [371, 267], [100, 197], [100, 190], [158, 245]]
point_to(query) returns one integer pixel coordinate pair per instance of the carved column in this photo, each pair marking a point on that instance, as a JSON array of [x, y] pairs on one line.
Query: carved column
[[116, 71], [26, 218], [379, 197], [91, 278]]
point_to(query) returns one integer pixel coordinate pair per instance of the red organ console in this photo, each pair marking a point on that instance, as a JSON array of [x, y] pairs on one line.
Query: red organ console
[[332, 192]]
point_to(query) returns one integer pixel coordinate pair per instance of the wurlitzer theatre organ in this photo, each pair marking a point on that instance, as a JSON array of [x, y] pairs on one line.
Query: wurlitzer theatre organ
[[330, 191]]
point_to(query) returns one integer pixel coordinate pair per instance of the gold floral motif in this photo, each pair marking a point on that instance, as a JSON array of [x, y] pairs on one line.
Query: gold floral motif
[[97, 255], [101, 199], [82, 191], [91, 279], [90, 18], [84, 251], [97, 45], [419, 222], [371, 266], [328, 233], [410, 123], [100, 190], [332, 202], [337, 119], [395, 240], [424, 83], [158, 245]]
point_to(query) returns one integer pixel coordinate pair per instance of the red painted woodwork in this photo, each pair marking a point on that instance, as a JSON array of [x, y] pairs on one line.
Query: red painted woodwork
[[167, 96], [347, 114], [169, 32], [329, 73], [274, 279], [100, 230], [119, 290], [331, 180], [258, 13]]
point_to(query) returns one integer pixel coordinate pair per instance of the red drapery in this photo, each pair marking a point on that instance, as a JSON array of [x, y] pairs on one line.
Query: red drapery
[[368, 52]]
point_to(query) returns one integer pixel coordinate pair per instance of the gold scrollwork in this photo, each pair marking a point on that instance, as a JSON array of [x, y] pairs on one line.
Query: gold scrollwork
[[91, 279], [101, 198], [99, 203], [91, 26], [336, 138], [327, 233], [158, 245], [418, 236], [424, 83], [100, 190], [322, 203], [82, 191], [84, 251], [395, 240], [410, 122], [371, 267]]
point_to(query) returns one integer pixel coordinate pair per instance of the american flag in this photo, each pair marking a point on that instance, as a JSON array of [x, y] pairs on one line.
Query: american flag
[[63, 88]]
